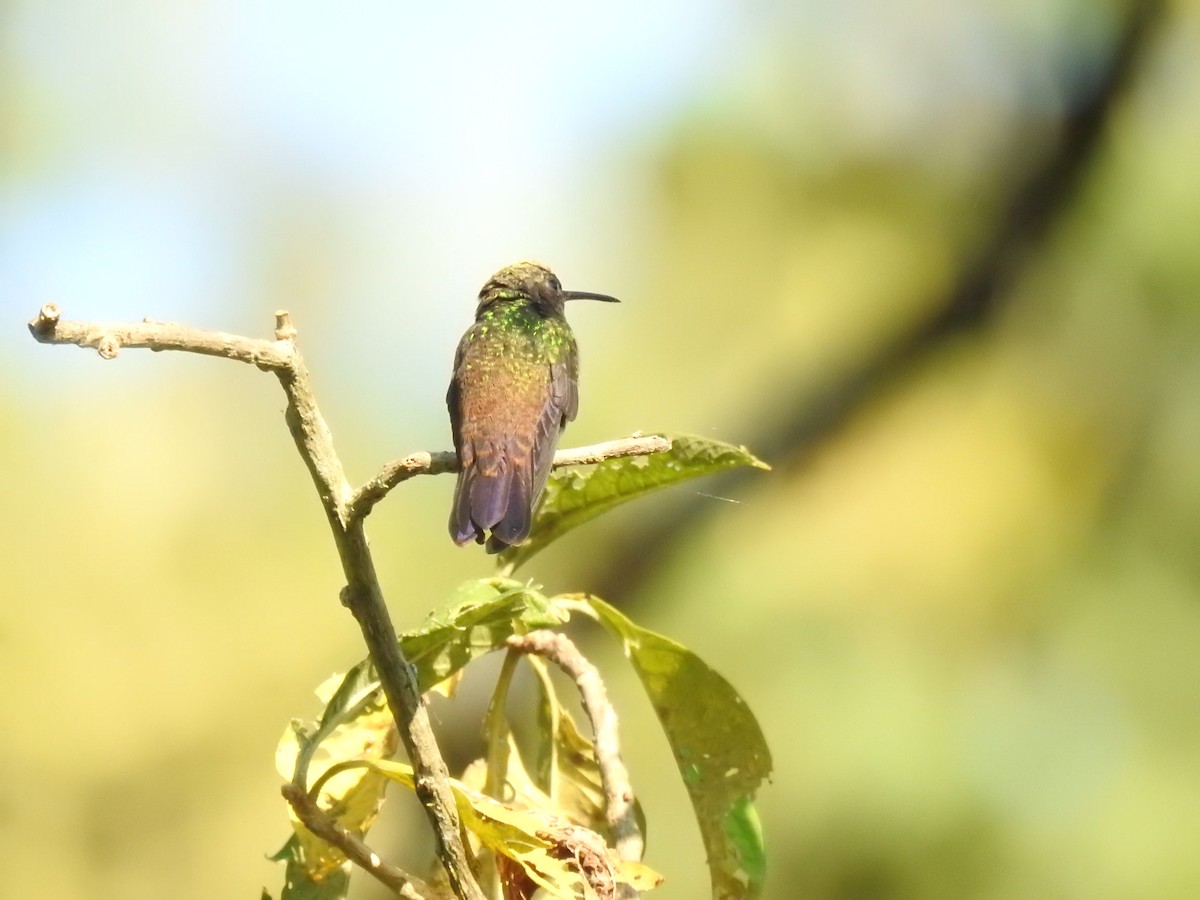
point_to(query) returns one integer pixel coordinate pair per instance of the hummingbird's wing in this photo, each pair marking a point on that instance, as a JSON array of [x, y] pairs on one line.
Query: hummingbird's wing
[[530, 467], [462, 528], [462, 525]]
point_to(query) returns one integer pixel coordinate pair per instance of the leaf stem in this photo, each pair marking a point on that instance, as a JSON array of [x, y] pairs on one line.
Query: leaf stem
[[495, 725]]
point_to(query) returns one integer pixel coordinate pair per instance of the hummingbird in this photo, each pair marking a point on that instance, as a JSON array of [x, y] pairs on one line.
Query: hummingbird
[[514, 389]]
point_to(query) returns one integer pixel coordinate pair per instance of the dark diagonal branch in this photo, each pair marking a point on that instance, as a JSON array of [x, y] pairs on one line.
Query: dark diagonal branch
[[329, 830], [1037, 203], [363, 595]]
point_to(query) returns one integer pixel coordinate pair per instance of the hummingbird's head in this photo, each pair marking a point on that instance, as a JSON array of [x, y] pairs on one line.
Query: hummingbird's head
[[534, 283]]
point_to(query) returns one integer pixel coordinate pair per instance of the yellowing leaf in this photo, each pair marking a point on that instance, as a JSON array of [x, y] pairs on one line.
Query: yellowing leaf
[[564, 859], [353, 797], [638, 875]]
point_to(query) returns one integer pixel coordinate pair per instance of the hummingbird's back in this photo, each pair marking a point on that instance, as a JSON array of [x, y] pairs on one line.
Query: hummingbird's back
[[513, 391]]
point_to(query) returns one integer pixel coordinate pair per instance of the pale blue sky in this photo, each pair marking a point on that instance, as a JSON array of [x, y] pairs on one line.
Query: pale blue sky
[[162, 130], [166, 156], [169, 159]]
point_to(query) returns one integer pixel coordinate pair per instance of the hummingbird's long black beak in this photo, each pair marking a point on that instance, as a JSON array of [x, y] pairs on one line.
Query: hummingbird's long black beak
[[588, 295]]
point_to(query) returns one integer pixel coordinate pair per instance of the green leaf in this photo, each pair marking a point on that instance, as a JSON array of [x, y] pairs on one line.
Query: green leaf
[[480, 616], [718, 746], [575, 495]]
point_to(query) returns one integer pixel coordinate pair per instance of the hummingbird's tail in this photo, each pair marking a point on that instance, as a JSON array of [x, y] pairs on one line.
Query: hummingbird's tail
[[498, 490], [496, 498]]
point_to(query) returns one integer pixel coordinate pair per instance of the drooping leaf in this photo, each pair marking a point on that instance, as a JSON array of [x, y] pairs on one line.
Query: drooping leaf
[[717, 743], [575, 495]]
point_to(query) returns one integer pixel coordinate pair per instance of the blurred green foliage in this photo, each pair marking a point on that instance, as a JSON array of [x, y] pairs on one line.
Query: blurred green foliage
[[969, 624]]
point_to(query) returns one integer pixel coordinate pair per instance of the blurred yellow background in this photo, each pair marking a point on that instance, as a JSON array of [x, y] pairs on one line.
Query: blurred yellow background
[[965, 608]]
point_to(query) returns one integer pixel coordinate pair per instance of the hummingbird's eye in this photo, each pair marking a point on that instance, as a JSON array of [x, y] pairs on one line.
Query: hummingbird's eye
[[555, 283]]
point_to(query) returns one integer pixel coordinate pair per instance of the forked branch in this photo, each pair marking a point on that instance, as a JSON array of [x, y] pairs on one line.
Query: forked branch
[[345, 508], [363, 595]]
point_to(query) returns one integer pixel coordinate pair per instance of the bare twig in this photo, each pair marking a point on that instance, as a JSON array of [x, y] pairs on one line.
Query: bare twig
[[637, 445], [330, 830], [400, 470], [362, 595], [396, 472], [619, 799], [109, 338]]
